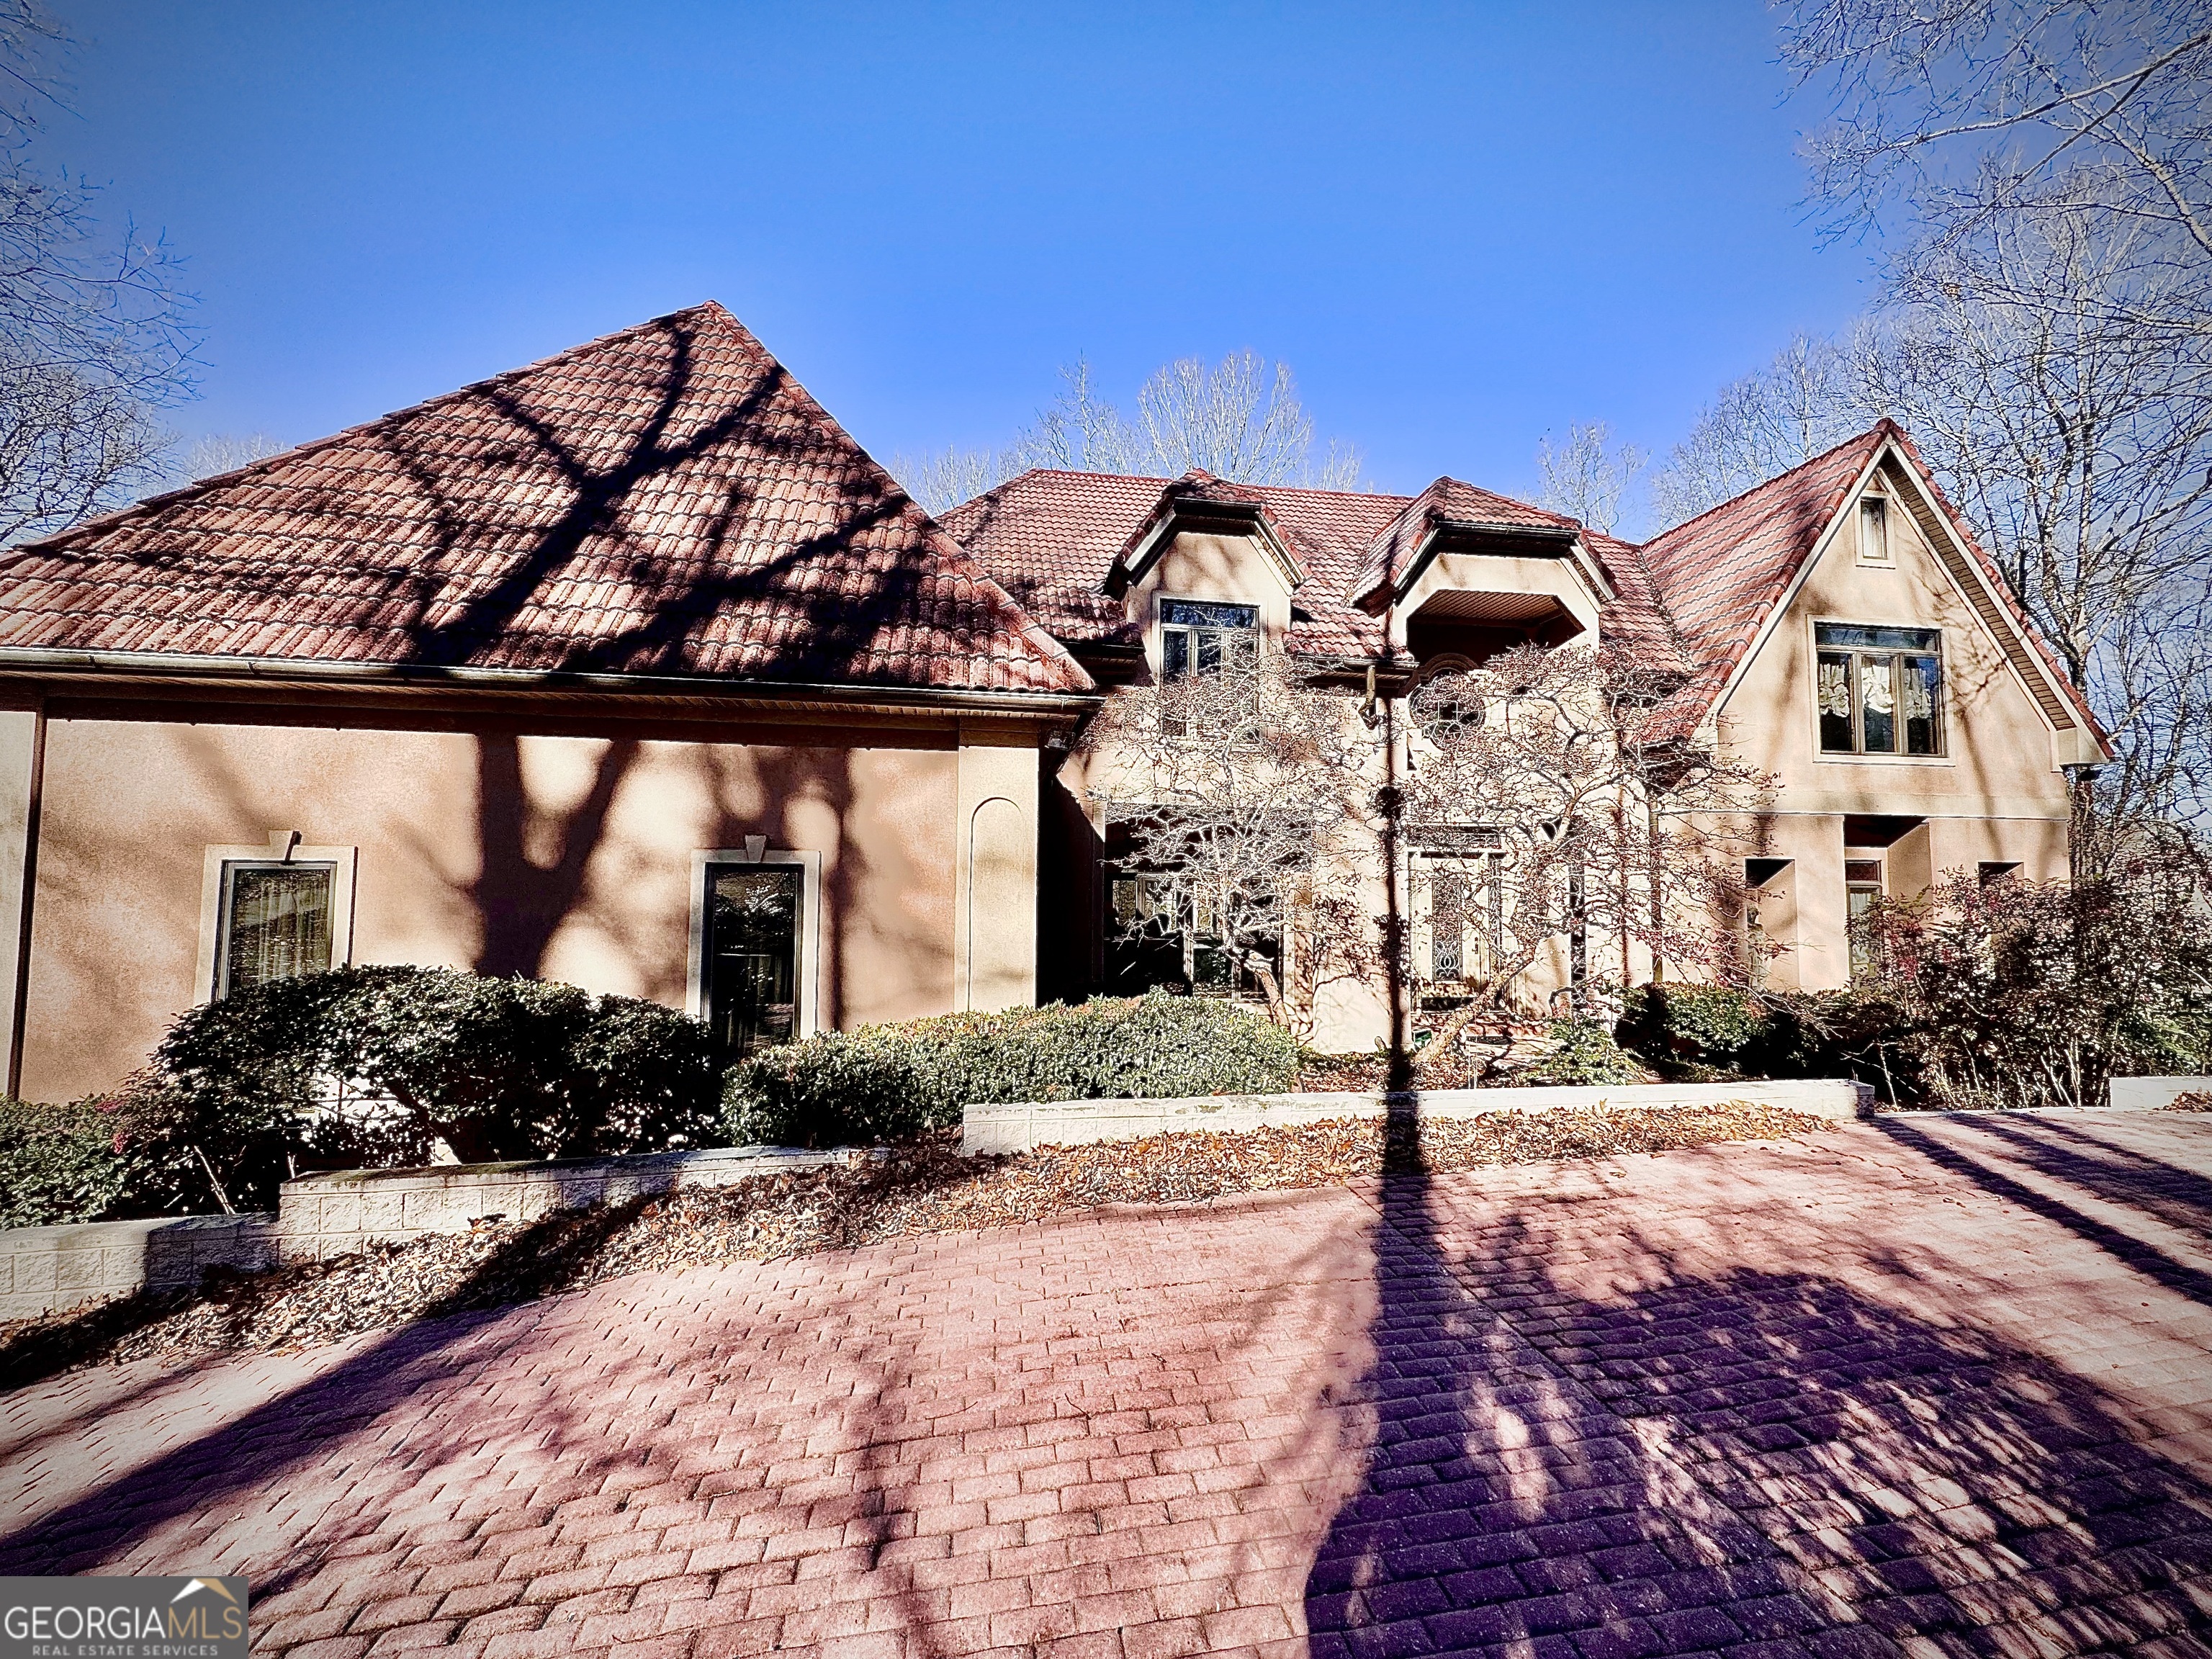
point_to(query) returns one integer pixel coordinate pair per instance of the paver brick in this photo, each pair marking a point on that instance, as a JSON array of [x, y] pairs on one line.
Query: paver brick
[[1932, 1386]]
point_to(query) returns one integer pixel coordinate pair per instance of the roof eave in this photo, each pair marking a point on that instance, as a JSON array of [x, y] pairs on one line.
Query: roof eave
[[25, 662]]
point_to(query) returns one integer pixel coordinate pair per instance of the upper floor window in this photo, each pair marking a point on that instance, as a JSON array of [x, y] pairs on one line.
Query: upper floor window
[[275, 922], [1873, 530], [1202, 637], [1880, 690]]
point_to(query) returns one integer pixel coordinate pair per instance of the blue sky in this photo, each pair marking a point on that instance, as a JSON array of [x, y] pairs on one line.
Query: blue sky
[[1461, 225]]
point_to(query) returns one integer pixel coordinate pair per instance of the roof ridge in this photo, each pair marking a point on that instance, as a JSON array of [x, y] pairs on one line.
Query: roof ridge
[[100, 523], [1742, 494], [1766, 483]]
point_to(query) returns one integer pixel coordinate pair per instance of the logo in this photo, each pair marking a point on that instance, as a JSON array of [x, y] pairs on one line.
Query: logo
[[123, 1618]]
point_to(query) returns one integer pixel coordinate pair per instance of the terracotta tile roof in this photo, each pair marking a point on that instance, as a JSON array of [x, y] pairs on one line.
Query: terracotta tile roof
[[665, 500], [1723, 571], [1445, 501], [1051, 537]]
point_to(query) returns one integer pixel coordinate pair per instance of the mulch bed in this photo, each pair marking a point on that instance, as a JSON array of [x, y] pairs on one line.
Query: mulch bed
[[926, 1188], [2193, 1100]]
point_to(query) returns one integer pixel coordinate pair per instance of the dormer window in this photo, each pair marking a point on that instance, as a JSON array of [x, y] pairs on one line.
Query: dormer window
[[1873, 530], [1203, 636]]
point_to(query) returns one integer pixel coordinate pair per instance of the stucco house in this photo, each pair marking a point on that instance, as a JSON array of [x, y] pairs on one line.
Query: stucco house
[[1837, 628], [630, 668]]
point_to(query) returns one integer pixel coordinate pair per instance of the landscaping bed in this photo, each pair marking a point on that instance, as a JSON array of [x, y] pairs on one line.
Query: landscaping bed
[[926, 1187]]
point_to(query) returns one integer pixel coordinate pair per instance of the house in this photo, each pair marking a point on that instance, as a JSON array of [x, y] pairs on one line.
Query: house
[[630, 668], [1837, 628]]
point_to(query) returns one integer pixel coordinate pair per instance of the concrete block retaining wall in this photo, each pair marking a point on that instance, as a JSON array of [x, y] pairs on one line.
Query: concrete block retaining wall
[[332, 1215], [2149, 1094], [1080, 1123], [45, 1269]]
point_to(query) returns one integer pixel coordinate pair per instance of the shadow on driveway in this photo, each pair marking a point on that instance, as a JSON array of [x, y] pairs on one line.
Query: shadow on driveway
[[1763, 1463]]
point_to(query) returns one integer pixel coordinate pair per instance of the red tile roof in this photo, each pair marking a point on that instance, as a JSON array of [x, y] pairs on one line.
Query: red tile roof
[[1445, 501], [665, 500], [1051, 537], [1723, 571]]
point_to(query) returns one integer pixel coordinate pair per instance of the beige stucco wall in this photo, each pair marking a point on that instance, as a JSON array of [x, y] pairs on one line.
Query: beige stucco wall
[[565, 856], [1997, 793]]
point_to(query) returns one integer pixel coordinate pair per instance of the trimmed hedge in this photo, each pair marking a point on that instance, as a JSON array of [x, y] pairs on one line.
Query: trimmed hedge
[[497, 1068], [888, 1082], [61, 1163]]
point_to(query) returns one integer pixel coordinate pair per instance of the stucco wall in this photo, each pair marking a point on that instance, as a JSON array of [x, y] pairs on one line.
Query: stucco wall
[[1999, 761], [1995, 795], [566, 857]]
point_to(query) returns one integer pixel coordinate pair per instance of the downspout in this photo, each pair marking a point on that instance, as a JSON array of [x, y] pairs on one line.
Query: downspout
[[18, 1014]]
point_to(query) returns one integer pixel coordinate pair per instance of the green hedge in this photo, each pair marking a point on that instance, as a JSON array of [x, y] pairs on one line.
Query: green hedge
[[1689, 1029], [1587, 1057], [886, 1082], [61, 1163], [241, 1090]]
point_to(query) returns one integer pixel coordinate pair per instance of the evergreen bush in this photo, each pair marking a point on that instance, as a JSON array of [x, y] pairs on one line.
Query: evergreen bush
[[887, 1082]]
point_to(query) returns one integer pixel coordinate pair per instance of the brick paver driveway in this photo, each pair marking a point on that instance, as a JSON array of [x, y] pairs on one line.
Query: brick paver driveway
[[1939, 1387]]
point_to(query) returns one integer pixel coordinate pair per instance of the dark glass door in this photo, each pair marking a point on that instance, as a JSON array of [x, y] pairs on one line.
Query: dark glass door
[[752, 955]]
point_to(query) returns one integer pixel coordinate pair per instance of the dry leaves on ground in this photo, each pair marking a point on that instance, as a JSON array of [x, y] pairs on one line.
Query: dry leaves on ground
[[924, 1188]]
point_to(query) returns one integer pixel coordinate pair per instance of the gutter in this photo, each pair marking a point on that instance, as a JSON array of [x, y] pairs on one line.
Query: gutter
[[24, 661]]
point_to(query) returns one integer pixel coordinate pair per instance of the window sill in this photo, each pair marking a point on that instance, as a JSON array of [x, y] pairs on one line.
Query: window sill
[[1837, 757]]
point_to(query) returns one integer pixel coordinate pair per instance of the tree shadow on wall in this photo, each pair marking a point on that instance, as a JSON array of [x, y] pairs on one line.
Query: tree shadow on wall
[[601, 501], [1772, 1463]]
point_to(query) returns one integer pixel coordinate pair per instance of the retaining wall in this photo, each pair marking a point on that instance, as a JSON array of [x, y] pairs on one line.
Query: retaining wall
[[2148, 1094], [332, 1215], [43, 1269], [1079, 1122]]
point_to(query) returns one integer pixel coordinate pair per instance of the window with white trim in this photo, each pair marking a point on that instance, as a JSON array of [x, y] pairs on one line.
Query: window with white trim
[[1873, 530], [1880, 690], [753, 955], [273, 920]]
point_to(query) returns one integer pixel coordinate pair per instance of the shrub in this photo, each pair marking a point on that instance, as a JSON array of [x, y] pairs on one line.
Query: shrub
[[1587, 1056], [366, 1066], [1681, 1027], [885, 1082], [59, 1163], [2028, 993]]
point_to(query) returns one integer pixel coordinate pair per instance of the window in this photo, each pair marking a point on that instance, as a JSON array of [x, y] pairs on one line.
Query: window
[[752, 958], [1873, 530], [274, 921], [1880, 690], [1862, 890], [1199, 636]]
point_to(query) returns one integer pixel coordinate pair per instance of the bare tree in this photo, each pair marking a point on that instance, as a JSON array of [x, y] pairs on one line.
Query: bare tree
[[1561, 820], [1587, 475], [217, 452], [1967, 110], [1239, 419], [1240, 803], [944, 478], [1809, 399], [93, 341]]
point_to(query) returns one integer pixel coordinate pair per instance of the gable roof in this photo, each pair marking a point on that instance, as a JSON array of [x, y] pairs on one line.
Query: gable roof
[[666, 500], [1392, 555], [1723, 572], [1053, 538]]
